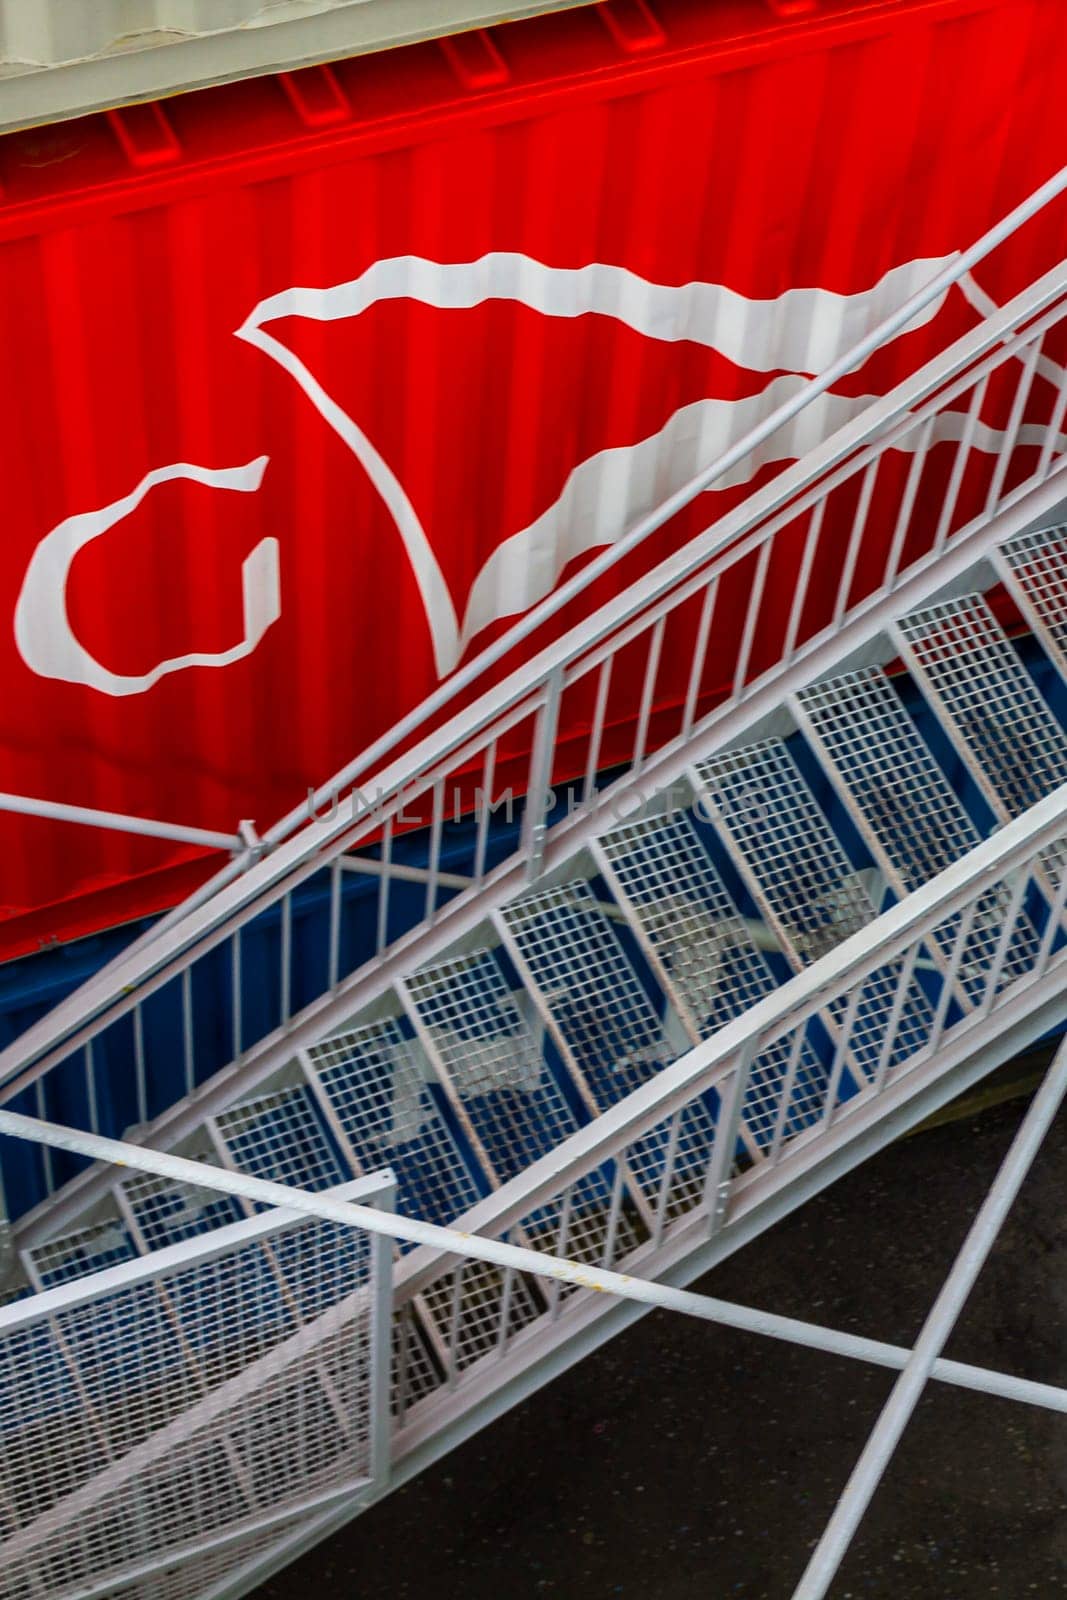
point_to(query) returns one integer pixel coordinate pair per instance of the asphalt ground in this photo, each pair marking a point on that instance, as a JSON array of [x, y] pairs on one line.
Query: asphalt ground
[[684, 1460]]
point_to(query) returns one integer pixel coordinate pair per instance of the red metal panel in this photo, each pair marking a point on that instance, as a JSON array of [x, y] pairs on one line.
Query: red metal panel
[[746, 145]]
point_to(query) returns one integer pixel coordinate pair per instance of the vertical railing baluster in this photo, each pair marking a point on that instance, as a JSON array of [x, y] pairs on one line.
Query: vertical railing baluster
[[727, 1132], [1053, 926], [842, 1051], [504, 1320], [434, 858], [800, 591], [188, 1050], [381, 1345], [603, 688], [483, 802], [700, 651], [614, 1213], [663, 1194], [140, 1075], [755, 601], [1011, 433], [959, 466], [90, 1088], [384, 886], [452, 1372], [1020, 881], [333, 965], [948, 988], [907, 500], [789, 1079], [535, 817], [286, 952], [236, 985], [896, 1013], [562, 1240], [855, 539], [655, 647], [46, 1154]]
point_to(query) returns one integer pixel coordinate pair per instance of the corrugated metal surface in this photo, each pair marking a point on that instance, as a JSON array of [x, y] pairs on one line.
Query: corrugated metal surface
[[690, 144], [65, 58]]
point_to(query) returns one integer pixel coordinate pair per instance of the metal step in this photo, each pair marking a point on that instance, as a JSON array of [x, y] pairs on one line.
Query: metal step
[[706, 953], [575, 965], [161, 1213], [387, 1104], [73, 1255], [1034, 567], [281, 1137], [907, 812], [806, 888], [986, 700], [901, 802], [489, 1053]]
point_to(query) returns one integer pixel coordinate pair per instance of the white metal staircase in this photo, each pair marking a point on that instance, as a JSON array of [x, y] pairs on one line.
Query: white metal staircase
[[799, 917]]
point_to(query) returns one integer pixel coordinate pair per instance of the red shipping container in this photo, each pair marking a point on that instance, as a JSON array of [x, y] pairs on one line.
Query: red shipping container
[[302, 404]]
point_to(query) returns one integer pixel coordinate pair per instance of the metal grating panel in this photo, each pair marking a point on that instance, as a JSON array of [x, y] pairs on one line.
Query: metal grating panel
[[617, 1041], [708, 952], [279, 1137], [193, 1577], [897, 785], [494, 1060], [75, 1255], [1038, 562], [801, 877], [477, 1306], [806, 881], [120, 1451], [968, 660], [413, 1374], [385, 1101], [906, 802], [166, 1213], [581, 969]]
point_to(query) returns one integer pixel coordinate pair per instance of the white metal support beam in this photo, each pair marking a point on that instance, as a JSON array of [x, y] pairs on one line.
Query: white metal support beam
[[121, 822], [706, 1308], [908, 1389]]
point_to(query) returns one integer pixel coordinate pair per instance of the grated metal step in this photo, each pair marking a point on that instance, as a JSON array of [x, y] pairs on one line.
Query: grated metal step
[[966, 665], [1035, 567], [805, 886], [606, 1026], [162, 1213], [907, 807], [903, 805], [708, 955], [73, 1255], [490, 1056], [281, 1137], [385, 1099]]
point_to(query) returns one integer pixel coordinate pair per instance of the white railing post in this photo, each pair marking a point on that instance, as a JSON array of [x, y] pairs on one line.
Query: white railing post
[[727, 1131], [381, 1345], [538, 789]]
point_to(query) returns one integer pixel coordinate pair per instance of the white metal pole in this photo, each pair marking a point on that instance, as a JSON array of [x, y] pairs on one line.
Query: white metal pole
[[120, 822], [705, 1308], [920, 1366]]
